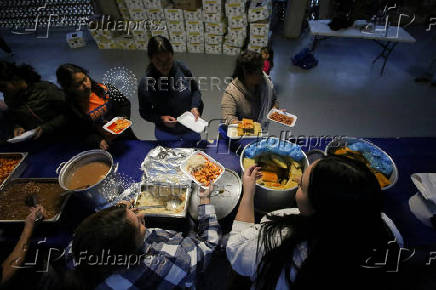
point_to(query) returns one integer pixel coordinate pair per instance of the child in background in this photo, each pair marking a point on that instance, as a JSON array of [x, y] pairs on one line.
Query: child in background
[[267, 56]]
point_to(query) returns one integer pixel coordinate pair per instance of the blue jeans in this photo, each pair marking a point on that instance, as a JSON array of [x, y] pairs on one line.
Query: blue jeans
[[188, 139]]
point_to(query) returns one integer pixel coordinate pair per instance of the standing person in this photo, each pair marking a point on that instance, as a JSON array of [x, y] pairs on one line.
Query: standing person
[[167, 91], [31, 103], [250, 94], [267, 56], [93, 105], [159, 259], [326, 242]]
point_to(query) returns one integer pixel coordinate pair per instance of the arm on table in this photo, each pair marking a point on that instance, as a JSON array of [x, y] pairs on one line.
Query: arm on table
[[228, 108]]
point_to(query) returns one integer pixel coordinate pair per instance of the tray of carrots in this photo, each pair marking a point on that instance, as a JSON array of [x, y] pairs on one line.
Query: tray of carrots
[[202, 169]]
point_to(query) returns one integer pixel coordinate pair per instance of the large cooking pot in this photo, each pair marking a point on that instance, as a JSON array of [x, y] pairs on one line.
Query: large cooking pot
[[268, 199], [101, 193]]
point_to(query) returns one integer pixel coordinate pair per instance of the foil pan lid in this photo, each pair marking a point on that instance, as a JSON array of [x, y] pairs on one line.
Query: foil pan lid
[[162, 166]]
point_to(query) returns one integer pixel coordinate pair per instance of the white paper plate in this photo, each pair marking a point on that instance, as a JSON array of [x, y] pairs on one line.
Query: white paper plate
[[106, 126], [282, 113], [23, 137], [185, 171], [187, 119]]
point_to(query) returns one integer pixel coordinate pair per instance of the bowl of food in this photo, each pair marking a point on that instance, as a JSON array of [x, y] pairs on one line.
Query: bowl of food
[[202, 169], [282, 164], [377, 160]]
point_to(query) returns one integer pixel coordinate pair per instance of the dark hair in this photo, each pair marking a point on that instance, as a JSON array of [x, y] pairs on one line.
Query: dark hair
[[248, 61], [64, 75], [158, 44], [108, 229], [11, 72], [341, 234]]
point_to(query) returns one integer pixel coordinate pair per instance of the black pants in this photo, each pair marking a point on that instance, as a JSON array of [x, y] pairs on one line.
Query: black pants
[[4, 45]]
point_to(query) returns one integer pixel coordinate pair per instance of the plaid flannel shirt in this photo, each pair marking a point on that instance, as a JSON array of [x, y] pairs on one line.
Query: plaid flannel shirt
[[171, 260]]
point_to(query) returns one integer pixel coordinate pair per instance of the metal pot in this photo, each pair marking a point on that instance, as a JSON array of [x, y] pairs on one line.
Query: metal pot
[[100, 193], [268, 199], [342, 142]]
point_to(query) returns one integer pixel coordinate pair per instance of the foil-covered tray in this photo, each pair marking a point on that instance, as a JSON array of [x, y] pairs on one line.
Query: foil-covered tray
[[161, 166], [19, 168]]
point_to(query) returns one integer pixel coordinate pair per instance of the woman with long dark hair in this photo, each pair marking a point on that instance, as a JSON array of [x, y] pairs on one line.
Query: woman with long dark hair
[[93, 105], [31, 103], [167, 91], [330, 241], [250, 94]]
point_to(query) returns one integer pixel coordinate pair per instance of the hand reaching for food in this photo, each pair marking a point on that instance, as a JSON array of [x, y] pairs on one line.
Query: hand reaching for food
[[249, 179], [18, 131], [104, 145]]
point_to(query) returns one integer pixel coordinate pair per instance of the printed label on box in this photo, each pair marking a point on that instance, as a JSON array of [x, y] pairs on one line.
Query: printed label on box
[[196, 15], [238, 21], [155, 14], [213, 48], [215, 28], [174, 14], [213, 38]]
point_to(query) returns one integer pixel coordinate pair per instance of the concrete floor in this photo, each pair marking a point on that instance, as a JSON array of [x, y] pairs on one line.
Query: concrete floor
[[343, 95]]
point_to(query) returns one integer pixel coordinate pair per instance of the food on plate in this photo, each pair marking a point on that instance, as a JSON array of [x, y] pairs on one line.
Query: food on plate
[[173, 199], [278, 172], [202, 169], [248, 127], [87, 175], [282, 118], [366, 157], [12, 199], [7, 165], [119, 125]]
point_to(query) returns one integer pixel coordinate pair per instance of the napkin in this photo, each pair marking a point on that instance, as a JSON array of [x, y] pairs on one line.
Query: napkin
[[23, 137], [426, 184], [187, 119]]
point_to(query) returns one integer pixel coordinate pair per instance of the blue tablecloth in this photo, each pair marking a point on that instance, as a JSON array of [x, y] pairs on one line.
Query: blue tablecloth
[[410, 155]]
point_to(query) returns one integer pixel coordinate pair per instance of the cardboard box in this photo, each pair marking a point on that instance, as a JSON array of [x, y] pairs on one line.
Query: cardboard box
[[212, 17], [110, 44], [157, 25], [163, 33], [138, 14], [215, 28], [176, 25], [155, 4], [177, 36], [195, 37], [134, 4], [191, 5], [234, 41], [179, 46], [123, 9], [155, 14], [259, 29], [174, 14], [213, 6], [194, 26], [259, 10], [140, 35], [195, 15], [237, 32], [235, 8], [141, 45], [213, 48], [261, 41], [255, 48], [237, 21], [211, 38], [195, 47], [75, 39], [231, 50]]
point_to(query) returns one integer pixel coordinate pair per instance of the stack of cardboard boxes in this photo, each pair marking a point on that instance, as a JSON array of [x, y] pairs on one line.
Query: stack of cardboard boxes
[[259, 14], [237, 26]]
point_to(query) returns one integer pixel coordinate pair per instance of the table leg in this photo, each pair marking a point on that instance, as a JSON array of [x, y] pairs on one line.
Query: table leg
[[388, 47]]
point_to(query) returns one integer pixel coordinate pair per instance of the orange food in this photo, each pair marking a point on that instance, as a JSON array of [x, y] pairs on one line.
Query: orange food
[[7, 165], [119, 125], [281, 118], [207, 173], [269, 176]]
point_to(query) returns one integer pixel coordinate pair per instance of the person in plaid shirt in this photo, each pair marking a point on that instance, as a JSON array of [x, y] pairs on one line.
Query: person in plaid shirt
[[113, 249]]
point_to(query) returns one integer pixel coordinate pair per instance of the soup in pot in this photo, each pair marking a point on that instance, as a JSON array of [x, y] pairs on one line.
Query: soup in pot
[[87, 175]]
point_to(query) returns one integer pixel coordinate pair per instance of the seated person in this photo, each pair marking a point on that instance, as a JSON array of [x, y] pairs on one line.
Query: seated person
[[250, 95], [322, 244], [12, 264], [31, 103], [167, 91], [93, 105], [159, 259]]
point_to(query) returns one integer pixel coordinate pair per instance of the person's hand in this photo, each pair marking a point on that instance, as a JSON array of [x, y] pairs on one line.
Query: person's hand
[[36, 213], [249, 179], [126, 203], [18, 131], [169, 121], [196, 113], [39, 132], [104, 145], [204, 194]]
